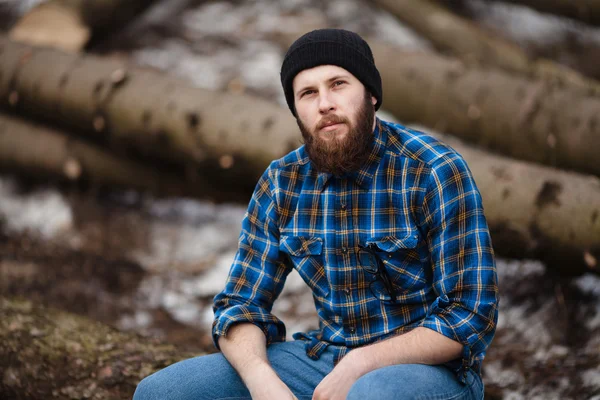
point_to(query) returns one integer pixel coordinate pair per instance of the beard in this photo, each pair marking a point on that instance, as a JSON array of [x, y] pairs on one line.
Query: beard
[[341, 155]]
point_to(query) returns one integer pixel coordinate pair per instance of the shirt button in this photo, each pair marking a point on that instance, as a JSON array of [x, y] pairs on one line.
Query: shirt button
[[347, 291], [389, 256], [344, 250], [343, 207], [351, 329]]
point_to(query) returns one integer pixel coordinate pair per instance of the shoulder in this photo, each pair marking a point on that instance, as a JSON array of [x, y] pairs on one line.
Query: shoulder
[[293, 162], [423, 148]]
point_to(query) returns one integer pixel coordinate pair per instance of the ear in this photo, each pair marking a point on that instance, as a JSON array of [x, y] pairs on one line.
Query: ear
[[373, 100]]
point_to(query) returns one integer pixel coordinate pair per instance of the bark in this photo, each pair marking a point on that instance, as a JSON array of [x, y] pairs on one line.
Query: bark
[[526, 119], [452, 33], [538, 212], [31, 148], [68, 24], [46, 354], [130, 107], [587, 11]]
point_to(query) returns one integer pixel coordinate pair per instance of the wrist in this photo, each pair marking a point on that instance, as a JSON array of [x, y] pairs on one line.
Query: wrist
[[359, 362]]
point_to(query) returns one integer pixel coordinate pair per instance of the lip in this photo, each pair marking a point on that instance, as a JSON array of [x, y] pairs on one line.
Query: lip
[[331, 127]]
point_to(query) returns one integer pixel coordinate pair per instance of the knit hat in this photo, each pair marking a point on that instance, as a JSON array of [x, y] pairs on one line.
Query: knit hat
[[331, 47]]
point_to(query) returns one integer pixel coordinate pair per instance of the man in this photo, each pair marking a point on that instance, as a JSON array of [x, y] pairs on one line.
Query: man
[[386, 227]]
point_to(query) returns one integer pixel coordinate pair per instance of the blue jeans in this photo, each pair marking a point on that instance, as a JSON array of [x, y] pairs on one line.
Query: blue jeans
[[212, 377]]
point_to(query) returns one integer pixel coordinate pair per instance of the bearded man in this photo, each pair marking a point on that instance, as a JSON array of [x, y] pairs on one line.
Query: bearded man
[[386, 227]]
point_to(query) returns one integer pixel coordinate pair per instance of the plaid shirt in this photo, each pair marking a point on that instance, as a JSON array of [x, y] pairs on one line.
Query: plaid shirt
[[416, 201]]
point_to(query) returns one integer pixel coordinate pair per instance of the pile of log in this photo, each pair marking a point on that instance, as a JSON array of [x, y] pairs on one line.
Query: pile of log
[[528, 128]]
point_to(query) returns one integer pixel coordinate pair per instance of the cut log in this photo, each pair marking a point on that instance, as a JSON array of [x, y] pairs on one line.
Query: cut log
[[47, 354], [451, 33], [587, 11], [537, 212], [234, 136], [526, 119], [40, 151], [68, 24]]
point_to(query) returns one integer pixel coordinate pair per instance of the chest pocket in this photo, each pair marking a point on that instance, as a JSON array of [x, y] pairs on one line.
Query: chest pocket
[[401, 260], [306, 254]]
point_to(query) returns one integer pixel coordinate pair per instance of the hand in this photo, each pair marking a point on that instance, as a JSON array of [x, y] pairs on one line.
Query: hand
[[336, 385]]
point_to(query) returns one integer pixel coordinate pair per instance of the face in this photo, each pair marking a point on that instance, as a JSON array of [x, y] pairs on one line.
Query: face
[[336, 115]]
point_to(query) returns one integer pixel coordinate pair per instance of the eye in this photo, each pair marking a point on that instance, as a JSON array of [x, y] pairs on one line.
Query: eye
[[338, 83], [307, 92]]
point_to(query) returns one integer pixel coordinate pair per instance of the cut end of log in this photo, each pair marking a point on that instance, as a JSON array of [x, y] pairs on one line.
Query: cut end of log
[[52, 25], [72, 169]]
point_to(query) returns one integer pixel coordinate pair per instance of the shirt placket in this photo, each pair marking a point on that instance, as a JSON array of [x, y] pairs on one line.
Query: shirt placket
[[345, 254]]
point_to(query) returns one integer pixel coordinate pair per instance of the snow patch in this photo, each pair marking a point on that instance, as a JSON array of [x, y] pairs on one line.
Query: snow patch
[[44, 212]]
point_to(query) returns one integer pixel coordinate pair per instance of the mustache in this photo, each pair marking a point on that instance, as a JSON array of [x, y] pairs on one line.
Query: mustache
[[330, 120]]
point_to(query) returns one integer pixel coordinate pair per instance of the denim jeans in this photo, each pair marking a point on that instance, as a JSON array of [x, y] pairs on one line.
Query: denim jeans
[[212, 377]]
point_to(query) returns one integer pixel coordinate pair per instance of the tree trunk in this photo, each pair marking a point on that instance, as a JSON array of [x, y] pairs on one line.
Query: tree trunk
[[587, 11], [228, 136], [450, 32], [538, 212], [525, 119], [46, 354], [68, 24], [42, 151]]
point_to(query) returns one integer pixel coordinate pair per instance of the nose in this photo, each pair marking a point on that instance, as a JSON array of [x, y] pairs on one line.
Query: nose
[[326, 103]]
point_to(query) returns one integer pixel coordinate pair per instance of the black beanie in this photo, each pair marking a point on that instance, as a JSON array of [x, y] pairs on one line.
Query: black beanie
[[331, 47]]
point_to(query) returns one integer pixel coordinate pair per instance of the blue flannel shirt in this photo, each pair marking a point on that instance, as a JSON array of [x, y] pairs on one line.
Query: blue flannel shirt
[[416, 201]]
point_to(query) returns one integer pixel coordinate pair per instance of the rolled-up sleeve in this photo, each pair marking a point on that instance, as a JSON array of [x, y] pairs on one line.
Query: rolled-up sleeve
[[257, 274], [462, 259]]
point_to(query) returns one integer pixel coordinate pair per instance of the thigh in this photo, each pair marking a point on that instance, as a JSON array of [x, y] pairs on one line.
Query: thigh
[[213, 377], [298, 371], [416, 381], [204, 377]]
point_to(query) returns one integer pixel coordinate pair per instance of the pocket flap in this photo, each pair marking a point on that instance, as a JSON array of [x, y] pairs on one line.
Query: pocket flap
[[301, 246], [391, 244]]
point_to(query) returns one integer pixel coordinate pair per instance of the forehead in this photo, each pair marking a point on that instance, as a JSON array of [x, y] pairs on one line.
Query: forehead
[[321, 73]]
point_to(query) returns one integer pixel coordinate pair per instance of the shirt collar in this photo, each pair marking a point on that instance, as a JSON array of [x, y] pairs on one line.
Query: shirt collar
[[364, 176]]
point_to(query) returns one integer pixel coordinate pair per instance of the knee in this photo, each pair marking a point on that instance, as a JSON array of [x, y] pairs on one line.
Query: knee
[[361, 389], [147, 389]]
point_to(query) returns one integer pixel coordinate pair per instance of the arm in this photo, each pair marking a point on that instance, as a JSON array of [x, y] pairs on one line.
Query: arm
[[245, 348], [419, 346], [462, 261], [243, 324]]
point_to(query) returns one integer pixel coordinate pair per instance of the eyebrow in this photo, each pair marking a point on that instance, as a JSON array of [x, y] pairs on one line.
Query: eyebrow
[[335, 78]]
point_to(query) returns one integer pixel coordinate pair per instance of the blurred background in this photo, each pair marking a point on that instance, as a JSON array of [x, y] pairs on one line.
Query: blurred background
[[132, 133]]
